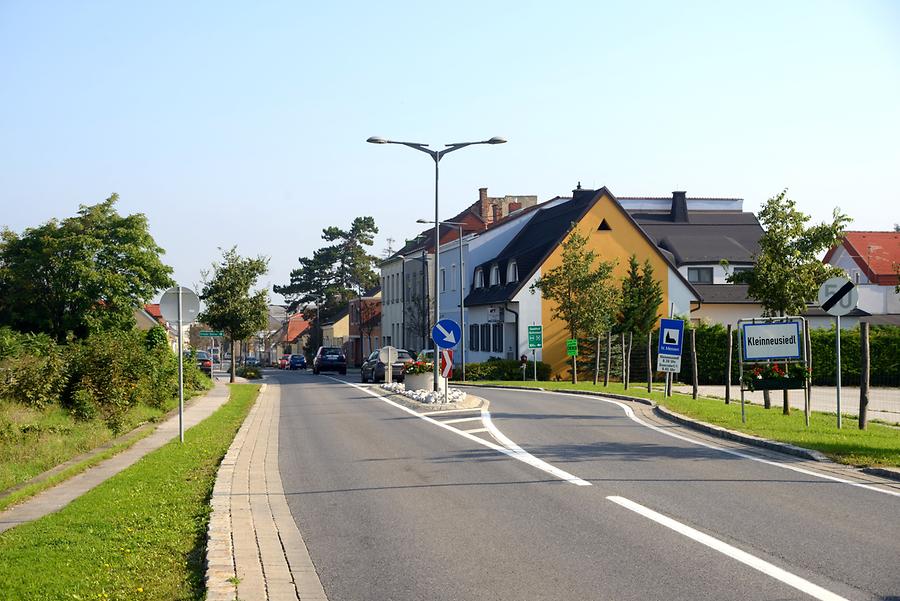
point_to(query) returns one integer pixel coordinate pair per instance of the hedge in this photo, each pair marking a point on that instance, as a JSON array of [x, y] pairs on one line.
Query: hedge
[[502, 369]]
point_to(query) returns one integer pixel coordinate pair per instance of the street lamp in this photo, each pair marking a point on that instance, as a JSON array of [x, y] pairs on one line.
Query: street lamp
[[436, 155], [462, 284]]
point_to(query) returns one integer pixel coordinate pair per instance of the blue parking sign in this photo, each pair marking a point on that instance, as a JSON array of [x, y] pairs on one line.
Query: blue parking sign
[[671, 334]]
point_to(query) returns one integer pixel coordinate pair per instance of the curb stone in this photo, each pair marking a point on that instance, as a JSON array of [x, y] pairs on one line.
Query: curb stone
[[611, 395]]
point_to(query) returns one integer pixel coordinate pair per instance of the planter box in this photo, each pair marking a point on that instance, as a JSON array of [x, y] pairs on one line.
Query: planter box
[[777, 384], [421, 381]]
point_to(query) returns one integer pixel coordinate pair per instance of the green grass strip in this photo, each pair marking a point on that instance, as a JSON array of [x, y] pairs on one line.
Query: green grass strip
[[878, 445], [139, 535]]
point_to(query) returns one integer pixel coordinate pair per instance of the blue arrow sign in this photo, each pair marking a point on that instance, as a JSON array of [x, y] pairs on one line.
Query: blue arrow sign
[[671, 333], [446, 333]]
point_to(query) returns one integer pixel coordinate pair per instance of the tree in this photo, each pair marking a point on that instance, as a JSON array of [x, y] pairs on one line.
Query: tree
[[231, 305], [369, 318], [786, 273], [81, 275], [583, 298], [641, 298]]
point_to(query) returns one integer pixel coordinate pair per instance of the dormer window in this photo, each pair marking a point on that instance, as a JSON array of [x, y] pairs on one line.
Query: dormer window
[[479, 278], [495, 275], [512, 272]]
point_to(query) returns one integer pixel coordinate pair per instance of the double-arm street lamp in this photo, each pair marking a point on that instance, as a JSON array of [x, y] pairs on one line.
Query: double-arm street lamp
[[462, 285], [436, 155]]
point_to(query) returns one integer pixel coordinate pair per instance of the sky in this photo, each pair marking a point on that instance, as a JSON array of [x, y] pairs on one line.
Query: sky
[[244, 124]]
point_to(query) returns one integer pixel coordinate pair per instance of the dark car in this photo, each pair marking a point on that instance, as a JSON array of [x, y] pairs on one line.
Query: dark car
[[251, 362], [204, 362], [373, 368], [297, 362], [330, 358]]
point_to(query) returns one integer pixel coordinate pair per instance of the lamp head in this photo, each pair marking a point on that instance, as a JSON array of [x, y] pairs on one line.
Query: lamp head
[[497, 140], [423, 221], [376, 140]]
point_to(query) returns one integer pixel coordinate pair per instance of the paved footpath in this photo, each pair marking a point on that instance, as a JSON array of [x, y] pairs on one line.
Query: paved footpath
[[253, 538], [55, 498]]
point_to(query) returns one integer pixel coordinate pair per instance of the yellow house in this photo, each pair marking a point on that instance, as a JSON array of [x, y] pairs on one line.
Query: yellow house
[[336, 331], [501, 304]]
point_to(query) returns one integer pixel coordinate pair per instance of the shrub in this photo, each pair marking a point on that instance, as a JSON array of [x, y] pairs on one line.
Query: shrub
[[32, 370], [250, 372], [502, 369]]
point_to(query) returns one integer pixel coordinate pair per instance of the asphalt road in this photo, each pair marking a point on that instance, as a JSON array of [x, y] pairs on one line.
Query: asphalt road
[[395, 507]]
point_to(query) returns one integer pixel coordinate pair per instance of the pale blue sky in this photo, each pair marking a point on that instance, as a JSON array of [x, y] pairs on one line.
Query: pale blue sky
[[245, 124]]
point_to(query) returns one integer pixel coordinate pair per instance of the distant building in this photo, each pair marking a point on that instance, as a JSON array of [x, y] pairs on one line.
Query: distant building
[[365, 326], [871, 260]]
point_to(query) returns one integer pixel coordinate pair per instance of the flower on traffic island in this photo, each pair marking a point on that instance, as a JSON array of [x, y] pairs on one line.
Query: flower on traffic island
[[418, 367]]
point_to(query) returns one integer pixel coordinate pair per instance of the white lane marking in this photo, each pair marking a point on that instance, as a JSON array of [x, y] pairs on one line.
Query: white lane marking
[[449, 411], [461, 420], [476, 430], [515, 451], [630, 413], [754, 562]]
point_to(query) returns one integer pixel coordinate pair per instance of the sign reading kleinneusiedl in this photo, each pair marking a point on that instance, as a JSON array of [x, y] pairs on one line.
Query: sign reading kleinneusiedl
[[768, 341]]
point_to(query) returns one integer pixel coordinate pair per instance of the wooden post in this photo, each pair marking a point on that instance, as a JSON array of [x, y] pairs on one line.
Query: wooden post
[[694, 361], [608, 358], [650, 361], [863, 373], [628, 362], [597, 361], [809, 363], [624, 369], [728, 367]]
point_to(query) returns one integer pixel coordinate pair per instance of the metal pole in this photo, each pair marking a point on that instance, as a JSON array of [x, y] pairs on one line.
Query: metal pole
[[180, 371], [462, 312], [437, 266], [741, 370], [534, 362], [837, 339]]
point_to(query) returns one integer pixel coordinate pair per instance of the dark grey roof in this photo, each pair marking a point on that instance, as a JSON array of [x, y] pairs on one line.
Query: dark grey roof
[[707, 236], [813, 311], [724, 293], [529, 248]]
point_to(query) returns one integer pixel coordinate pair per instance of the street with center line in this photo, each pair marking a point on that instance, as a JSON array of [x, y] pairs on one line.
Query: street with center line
[[395, 505]]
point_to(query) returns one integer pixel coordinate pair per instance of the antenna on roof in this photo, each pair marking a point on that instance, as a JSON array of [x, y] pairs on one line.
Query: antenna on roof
[[578, 187]]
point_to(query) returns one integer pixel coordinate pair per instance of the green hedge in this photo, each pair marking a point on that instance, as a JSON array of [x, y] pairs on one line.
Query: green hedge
[[100, 377], [502, 369]]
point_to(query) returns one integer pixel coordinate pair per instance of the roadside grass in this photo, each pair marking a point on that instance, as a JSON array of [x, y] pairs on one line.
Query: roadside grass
[[139, 535], [878, 445]]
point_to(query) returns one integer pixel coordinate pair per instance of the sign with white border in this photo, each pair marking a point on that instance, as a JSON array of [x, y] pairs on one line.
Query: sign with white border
[[770, 341]]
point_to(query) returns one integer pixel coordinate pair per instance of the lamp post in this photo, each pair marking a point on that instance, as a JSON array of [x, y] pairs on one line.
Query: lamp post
[[436, 155], [462, 285]]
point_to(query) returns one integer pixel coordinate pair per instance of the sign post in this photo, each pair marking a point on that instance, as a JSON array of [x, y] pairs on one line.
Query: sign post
[[768, 339], [181, 305], [446, 370], [535, 341], [388, 356], [668, 353], [838, 296]]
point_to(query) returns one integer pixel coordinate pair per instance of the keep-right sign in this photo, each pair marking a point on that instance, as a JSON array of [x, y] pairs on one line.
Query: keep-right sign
[[838, 296]]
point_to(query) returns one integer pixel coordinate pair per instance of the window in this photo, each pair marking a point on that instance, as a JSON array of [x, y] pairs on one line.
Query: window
[[486, 337], [443, 280], [479, 278], [498, 338], [700, 275], [495, 275], [473, 337], [512, 272], [737, 270]]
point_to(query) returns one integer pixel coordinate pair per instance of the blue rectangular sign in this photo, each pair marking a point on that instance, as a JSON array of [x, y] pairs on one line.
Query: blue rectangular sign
[[671, 334]]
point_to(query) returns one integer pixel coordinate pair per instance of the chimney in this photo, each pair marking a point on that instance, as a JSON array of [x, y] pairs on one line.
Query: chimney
[[484, 205], [580, 192], [679, 212]]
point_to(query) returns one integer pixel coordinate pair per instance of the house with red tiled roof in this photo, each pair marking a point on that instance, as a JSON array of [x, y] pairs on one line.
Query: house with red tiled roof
[[872, 262]]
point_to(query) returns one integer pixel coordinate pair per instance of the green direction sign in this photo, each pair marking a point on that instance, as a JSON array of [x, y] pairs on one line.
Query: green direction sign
[[535, 336], [211, 333], [572, 347]]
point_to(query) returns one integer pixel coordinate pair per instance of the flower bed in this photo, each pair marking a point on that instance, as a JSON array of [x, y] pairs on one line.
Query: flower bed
[[772, 376], [454, 395]]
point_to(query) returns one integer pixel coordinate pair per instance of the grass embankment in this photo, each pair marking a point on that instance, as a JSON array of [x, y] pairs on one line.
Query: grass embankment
[[879, 445], [139, 535]]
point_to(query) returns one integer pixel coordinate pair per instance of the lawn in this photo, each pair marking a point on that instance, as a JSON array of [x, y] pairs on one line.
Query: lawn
[[139, 535], [878, 445]]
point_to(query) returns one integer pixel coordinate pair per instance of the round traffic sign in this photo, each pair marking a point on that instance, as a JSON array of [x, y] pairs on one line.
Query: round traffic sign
[[388, 355], [838, 296], [446, 333], [190, 305]]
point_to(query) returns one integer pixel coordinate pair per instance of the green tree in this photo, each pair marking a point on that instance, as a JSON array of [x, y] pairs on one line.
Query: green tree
[[786, 273], [337, 272], [641, 298], [584, 298], [231, 304], [81, 275]]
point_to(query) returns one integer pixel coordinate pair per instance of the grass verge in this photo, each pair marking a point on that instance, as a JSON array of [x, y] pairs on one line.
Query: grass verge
[[879, 445], [139, 535]]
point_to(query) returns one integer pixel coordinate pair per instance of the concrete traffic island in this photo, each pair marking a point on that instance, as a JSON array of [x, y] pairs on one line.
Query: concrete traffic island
[[433, 401]]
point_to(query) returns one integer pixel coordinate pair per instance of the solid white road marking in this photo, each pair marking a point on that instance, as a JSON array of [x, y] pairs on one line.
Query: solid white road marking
[[630, 413], [754, 562], [449, 411], [514, 451], [461, 419], [476, 430]]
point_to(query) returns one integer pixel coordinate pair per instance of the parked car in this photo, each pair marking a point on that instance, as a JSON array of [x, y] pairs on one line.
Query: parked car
[[297, 362], [251, 362], [330, 358], [284, 361], [373, 369], [204, 362]]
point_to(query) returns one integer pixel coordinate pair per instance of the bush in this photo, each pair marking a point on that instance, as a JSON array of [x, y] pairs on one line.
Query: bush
[[249, 372], [502, 369], [32, 369]]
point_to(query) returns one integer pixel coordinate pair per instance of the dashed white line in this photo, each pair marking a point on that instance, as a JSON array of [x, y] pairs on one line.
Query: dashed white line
[[754, 562]]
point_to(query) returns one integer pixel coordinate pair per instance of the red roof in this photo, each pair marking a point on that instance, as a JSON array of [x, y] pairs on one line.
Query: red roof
[[297, 326], [153, 309], [876, 253]]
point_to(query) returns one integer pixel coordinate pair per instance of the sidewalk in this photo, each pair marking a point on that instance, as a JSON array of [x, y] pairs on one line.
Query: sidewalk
[[254, 549], [54, 499]]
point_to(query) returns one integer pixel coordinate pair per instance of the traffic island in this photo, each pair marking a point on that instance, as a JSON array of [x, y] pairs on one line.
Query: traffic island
[[431, 400]]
